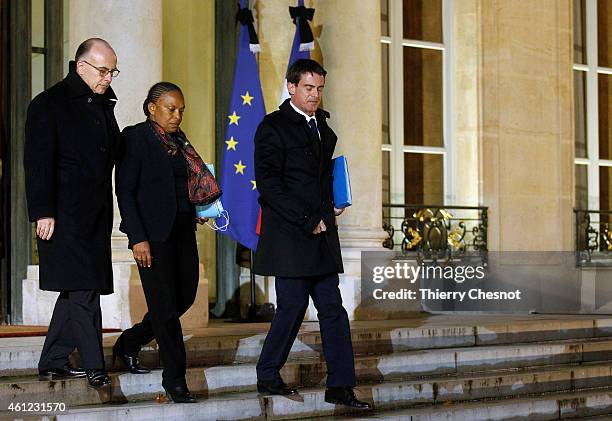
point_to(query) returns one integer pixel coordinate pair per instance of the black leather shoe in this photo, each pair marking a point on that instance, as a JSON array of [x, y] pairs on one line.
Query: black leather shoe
[[180, 394], [66, 372], [98, 378], [274, 388], [344, 396], [131, 361]]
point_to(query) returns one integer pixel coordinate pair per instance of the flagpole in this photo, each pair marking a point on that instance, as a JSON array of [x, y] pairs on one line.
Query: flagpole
[[253, 306], [256, 313]]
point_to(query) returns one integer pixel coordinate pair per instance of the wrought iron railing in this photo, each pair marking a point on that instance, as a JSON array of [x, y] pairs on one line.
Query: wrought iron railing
[[436, 232], [593, 237]]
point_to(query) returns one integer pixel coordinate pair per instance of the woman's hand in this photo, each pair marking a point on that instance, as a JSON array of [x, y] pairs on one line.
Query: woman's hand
[[142, 254], [202, 221]]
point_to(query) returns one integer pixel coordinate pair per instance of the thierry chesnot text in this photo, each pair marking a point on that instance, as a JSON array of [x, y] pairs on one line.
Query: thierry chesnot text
[[436, 294]]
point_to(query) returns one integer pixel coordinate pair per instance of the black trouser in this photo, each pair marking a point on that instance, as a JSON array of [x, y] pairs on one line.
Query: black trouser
[[76, 323], [170, 287], [292, 302]]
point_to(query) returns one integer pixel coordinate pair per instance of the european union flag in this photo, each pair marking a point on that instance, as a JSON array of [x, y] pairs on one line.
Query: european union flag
[[246, 111]]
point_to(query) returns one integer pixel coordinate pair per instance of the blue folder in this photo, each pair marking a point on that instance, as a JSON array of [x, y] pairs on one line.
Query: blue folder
[[342, 183], [212, 210]]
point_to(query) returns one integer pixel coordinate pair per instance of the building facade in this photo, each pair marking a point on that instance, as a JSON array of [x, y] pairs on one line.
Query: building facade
[[494, 110]]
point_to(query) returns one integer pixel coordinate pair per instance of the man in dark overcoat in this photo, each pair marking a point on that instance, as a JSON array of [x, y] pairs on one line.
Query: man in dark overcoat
[[299, 237], [71, 140]]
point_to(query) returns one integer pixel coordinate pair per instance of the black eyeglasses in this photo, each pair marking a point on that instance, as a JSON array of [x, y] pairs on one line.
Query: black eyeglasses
[[104, 71]]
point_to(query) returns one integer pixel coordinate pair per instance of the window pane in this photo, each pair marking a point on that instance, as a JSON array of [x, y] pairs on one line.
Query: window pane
[[384, 18], [604, 33], [605, 188], [423, 20], [38, 74], [385, 94], [423, 179], [579, 32], [422, 97], [38, 23], [605, 116], [580, 114], [386, 181], [582, 192]]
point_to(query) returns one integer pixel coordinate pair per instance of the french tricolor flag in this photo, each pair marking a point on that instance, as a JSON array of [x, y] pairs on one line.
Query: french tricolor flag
[[303, 41]]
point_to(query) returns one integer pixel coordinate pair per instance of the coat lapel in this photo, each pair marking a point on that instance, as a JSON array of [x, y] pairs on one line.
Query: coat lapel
[[300, 120], [157, 153], [328, 140], [323, 149]]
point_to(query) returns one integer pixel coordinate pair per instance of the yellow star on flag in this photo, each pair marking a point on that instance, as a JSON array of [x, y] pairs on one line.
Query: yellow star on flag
[[254, 183], [240, 167], [231, 144], [246, 98], [233, 118]]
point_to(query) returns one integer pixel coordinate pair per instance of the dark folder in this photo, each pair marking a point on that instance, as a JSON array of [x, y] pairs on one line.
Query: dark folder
[[342, 183]]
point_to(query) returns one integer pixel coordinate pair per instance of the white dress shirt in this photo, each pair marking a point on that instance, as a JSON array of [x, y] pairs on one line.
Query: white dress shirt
[[308, 117]]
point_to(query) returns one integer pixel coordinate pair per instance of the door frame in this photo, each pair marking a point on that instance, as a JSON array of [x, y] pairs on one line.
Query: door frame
[[16, 96]]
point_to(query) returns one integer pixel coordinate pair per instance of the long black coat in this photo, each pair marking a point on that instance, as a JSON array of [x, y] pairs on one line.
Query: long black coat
[[71, 141], [145, 186], [294, 179]]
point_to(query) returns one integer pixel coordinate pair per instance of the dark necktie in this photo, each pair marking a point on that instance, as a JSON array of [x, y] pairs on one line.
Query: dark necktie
[[313, 128]]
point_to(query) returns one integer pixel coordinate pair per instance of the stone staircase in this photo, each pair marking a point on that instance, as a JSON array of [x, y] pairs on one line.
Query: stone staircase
[[437, 368]]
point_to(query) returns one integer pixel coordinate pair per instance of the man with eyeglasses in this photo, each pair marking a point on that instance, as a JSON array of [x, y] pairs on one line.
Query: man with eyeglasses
[[71, 140]]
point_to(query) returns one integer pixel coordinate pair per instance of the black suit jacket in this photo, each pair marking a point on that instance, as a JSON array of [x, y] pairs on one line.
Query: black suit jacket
[[294, 179], [71, 137], [145, 187]]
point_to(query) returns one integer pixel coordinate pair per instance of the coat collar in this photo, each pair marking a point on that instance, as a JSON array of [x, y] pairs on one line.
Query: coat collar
[[288, 111], [77, 86], [327, 145]]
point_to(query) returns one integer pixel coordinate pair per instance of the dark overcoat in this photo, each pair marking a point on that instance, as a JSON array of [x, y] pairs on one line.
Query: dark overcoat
[[145, 186], [293, 171], [71, 138]]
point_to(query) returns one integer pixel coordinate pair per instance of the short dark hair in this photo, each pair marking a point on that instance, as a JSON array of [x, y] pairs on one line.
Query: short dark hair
[[157, 90], [302, 66], [85, 47]]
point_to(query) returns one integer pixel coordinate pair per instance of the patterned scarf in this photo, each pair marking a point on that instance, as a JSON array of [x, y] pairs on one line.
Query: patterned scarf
[[201, 185]]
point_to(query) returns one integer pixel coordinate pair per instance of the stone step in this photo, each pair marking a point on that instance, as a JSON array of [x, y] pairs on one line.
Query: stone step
[[446, 401], [444, 360], [594, 405], [21, 357], [456, 374]]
